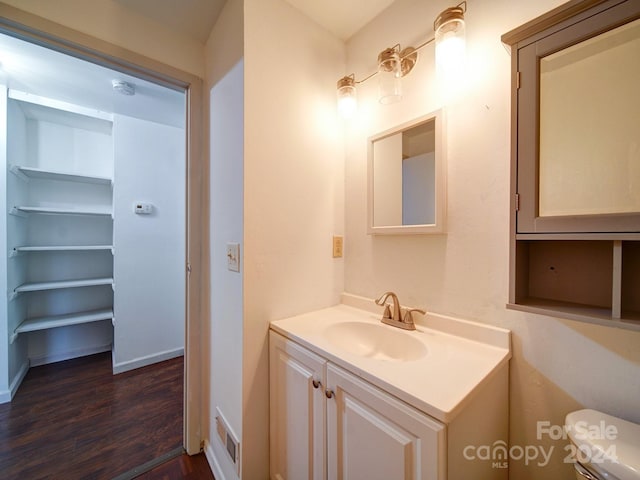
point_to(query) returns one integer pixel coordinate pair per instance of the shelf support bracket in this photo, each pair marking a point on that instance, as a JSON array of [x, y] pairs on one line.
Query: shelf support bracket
[[16, 171], [16, 211]]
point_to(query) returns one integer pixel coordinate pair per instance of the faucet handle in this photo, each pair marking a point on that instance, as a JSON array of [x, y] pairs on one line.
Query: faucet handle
[[408, 314], [382, 301]]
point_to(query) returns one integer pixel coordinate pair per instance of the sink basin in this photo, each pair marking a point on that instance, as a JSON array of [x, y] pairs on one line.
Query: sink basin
[[376, 341]]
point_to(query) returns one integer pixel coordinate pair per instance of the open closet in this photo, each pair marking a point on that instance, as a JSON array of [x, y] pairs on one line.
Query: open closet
[[93, 214]]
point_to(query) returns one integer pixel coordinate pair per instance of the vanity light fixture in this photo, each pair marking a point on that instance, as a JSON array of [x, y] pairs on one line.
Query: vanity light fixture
[[394, 63]]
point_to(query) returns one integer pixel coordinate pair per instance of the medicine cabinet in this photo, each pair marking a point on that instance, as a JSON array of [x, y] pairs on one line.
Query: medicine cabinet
[[575, 184]]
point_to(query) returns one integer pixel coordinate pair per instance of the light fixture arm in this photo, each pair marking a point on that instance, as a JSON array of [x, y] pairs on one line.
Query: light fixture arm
[[399, 62], [405, 54]]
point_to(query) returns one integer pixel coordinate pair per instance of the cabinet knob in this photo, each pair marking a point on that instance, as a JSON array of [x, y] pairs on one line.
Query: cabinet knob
[[316, 383], [328, 393]]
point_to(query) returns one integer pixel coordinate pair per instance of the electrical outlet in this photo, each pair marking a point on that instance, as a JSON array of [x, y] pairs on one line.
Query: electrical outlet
[[233, 257], [337, 246]]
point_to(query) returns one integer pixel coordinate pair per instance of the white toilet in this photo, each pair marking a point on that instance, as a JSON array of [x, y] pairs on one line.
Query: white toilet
[[604, 447]]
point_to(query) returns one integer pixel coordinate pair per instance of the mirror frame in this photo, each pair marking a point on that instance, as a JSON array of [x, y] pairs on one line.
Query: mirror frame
[[440, 193]]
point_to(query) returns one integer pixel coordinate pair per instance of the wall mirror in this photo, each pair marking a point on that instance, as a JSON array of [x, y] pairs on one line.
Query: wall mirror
[[406, 174]]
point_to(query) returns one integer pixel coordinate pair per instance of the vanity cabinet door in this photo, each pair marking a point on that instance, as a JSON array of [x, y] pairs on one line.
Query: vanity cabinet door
[[297, 411], [373, 435]]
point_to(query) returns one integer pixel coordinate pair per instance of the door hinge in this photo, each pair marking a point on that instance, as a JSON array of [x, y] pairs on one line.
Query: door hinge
[[189, 269], [517, 80], [517, 202]]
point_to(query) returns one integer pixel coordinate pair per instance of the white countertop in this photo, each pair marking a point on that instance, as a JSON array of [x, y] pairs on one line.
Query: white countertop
[[440, 383]]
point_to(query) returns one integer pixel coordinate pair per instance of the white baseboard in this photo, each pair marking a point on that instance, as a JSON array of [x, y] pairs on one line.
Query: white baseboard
[[7, 395], [60, 357], [147, 360], [213, 463]]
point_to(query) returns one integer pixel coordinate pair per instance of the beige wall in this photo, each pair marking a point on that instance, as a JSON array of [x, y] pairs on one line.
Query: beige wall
[[294, 190], [110, 21], [285, 202], [558, 365]]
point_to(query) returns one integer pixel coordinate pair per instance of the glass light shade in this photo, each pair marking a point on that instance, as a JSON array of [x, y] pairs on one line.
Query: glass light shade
[[389, 73], [450, 43], [347, 99]]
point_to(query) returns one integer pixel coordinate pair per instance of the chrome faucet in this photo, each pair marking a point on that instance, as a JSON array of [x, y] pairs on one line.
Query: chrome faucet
[[399, 317]]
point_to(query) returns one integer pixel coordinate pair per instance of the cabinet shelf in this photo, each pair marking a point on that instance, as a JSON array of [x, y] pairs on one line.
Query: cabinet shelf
[[54, 321], [39, 286], [578, 236], [575, 311], [593, 280], [39, 173], [24, 210]]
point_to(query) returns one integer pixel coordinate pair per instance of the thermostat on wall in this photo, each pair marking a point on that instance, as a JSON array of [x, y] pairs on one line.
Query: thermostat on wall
[[142, 208]]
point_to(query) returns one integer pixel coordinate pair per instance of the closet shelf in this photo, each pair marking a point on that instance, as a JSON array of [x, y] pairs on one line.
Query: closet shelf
[[38, 286], [39, 173], [51, 110], [61, 248], [54, 321], [24, 210]]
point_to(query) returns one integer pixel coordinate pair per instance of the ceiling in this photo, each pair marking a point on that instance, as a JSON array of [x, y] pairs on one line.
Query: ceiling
[[39, 71], [195, 18], [343, 18], [33, 69]]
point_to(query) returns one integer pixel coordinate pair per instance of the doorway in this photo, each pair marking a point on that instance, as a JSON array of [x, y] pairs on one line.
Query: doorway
[[147, 79]]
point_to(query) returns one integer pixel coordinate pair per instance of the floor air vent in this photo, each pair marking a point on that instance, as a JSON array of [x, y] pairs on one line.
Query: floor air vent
[[229, 442]]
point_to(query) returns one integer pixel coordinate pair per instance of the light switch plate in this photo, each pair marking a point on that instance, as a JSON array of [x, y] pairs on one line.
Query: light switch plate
[[233, 257]]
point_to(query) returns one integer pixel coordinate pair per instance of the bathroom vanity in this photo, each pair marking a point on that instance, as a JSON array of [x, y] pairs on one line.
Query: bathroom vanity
[[353, 398]]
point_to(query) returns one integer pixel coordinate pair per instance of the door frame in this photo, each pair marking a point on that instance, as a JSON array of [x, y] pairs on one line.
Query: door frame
[[38, 30]]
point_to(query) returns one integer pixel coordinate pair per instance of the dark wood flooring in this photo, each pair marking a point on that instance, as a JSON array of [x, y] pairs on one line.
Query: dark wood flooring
[[183, 467], [75, 420]]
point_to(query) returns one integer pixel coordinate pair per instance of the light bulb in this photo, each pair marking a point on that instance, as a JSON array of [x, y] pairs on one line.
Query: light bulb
[[389, 73], [450, 44], [347, 100]]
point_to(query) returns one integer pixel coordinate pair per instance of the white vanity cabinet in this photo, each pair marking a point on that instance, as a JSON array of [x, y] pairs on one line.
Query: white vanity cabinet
[[328, 423], [352, 398], [373, 435], [297, 411]]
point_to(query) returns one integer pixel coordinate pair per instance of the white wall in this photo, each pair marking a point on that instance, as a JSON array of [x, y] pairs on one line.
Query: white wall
[[387, 181], [558, 365], [16, 233], [226, 225], [150, 261], [277, 181], [418, 189], [4, 326], [225, 114]]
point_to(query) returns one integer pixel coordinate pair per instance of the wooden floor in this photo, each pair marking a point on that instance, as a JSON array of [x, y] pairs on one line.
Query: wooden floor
[[75, 420], [183, 467]]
